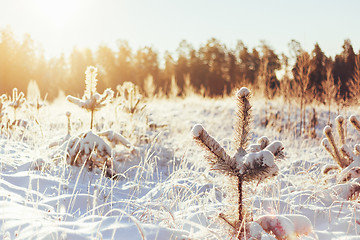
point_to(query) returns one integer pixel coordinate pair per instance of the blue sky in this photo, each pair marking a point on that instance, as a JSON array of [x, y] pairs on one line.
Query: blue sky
[[59, 26]]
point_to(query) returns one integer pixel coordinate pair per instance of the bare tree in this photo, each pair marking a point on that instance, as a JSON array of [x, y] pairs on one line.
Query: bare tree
[[286, 88], [303, 70], [329, 89]]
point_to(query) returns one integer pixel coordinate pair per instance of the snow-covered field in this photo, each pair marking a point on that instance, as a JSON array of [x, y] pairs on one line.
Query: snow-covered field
[[166, 189]]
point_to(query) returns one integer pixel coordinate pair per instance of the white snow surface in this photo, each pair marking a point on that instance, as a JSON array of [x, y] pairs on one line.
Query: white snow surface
[[167, 191]]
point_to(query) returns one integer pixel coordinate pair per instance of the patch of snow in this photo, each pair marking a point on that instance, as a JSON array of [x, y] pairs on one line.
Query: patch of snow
[[197, 129], [243, 92]]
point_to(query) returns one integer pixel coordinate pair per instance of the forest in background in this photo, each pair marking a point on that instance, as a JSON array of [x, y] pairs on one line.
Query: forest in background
[[211, 70]]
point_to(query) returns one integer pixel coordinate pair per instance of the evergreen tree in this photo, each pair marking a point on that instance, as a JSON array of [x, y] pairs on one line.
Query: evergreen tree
[[106, 60], [124, 63], [343, 68], [269, 64], [213, 55], [318, 71], [182, 64], [146, 63]]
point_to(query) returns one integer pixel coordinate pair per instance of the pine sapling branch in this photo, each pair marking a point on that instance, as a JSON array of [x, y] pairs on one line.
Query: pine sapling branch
[[335, 151], [218, 157], [340, 127], [355, 122], [357, 149], [243, 114], [346, 151], [325, 143]]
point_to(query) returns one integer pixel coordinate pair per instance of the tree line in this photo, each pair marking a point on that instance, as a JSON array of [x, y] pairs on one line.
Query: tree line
[[213, 69]]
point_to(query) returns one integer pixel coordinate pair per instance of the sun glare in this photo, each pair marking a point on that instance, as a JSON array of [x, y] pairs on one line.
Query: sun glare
[[58, 12]]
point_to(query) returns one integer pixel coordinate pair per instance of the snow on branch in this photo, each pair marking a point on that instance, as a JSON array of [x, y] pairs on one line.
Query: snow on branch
[[217, 156], [116, 138], [243, 117]]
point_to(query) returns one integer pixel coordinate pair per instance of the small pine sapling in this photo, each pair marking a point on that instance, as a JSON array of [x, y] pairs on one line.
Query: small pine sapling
[[346, 160], [250, 163], [17, 100], [92, 101], [130, 97]]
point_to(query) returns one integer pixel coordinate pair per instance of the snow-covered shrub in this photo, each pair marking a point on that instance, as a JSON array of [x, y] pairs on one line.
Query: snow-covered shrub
[[17, 126], [92, 101], [250, 163], [130, 97], [91, 151], [16, 101], [347, 160]]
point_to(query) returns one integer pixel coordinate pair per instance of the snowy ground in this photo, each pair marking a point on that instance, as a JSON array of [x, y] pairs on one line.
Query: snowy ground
[[166, 191]]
